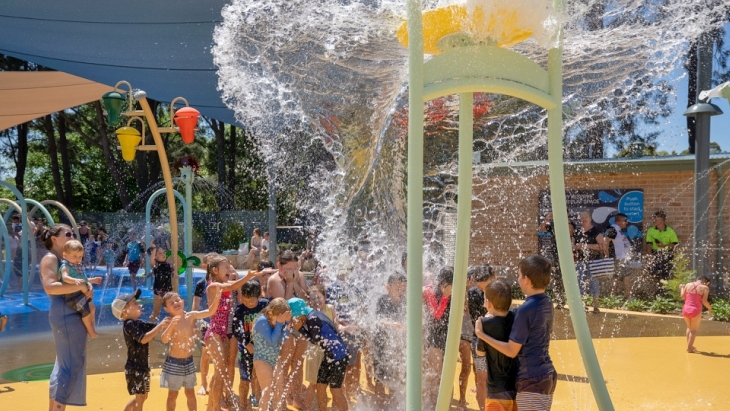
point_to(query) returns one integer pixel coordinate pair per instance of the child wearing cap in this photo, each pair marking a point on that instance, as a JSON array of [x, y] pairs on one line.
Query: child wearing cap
[[137, 336], [316, 327]]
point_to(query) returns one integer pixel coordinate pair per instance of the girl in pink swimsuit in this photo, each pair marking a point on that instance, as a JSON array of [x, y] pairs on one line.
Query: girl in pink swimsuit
[[216, 338], [695, 296]]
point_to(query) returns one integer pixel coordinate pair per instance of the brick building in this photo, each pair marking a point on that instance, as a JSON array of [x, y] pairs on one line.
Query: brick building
[[505, 205]]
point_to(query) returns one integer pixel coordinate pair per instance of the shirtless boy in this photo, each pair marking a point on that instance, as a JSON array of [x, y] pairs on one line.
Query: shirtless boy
[[179, 368]]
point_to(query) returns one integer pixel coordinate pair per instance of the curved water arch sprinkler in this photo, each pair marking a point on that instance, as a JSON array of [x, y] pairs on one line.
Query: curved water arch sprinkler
[[41, 205], [8, 258], [188, 243], [26, 273], [23, 236], [24, 251], [465, 67]]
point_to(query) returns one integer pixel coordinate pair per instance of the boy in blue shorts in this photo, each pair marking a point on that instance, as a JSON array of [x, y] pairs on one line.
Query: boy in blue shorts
[[245, 316], [529, 339], [316, 327], [500, 383]]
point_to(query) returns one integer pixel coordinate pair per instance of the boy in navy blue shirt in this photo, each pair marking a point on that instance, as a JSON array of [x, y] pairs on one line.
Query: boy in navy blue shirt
[[245, 316], [529, 339], [316, 327]]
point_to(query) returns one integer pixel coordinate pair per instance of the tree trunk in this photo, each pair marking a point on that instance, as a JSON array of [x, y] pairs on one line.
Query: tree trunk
[[231, 180], [53, 154], [596, 132], [219, 129], [21, 157], [66, 162], [691, 66], [111, 162]]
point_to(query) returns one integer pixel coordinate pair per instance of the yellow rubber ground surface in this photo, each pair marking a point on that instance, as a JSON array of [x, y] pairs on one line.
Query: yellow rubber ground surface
[[641, 373]]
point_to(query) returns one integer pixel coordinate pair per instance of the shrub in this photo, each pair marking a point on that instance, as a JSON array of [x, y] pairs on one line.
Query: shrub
[[611, 302], [233, 235], [682, 273], [663, 305], [721, 310], [636, 305], [517, 293]]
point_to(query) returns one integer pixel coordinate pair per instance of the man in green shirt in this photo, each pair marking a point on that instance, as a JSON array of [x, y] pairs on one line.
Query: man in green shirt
[[660, 242]]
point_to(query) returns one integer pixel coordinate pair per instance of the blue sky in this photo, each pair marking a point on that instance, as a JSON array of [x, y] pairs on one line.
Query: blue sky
[[674, 134]]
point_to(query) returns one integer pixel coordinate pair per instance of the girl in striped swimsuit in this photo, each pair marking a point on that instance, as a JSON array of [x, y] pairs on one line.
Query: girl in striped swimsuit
[[216, 338]]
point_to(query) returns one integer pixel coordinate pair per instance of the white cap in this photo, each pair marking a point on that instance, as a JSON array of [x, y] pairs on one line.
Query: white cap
[[121, 301]]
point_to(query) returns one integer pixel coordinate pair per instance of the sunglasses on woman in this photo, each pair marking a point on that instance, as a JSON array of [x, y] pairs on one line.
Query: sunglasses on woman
[[70, 234]]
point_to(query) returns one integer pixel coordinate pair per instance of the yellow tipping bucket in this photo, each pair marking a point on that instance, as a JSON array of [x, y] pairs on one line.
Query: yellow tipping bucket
[[129, 139], [500, 26]]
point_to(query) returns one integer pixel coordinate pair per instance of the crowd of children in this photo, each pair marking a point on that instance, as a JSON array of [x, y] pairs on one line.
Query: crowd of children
[[263, 330]]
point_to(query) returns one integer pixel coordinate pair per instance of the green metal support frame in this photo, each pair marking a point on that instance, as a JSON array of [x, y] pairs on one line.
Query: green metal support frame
[[23, 236], [462, 71], [188, 224]]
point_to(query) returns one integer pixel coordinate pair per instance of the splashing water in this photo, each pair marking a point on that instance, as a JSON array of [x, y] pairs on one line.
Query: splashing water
[[331, 74]]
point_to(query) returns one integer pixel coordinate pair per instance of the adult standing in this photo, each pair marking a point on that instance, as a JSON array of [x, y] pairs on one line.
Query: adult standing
[[590, 245], [547, 247], [101, 235], [68, 378], [84, 232], [622, 253], [660, 242]]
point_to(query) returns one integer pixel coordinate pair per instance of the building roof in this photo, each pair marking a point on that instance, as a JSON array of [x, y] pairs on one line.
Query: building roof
[[607, 165]]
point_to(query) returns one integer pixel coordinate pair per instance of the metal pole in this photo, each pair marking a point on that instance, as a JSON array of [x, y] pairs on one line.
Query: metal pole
[[702, 112], [461, 260], [272, 214], [414, 293], [188, 176], [702, 198], [141, 97]]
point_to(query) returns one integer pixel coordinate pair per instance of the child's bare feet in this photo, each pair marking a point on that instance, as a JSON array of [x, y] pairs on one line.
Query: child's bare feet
[[93, 334], [203, 390]]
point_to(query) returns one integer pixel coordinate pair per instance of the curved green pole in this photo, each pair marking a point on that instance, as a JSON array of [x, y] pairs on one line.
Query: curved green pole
[[13, 206], [148, 235], [65, 210], [461, 263], [560, 216], [8, 259], [33, 248], [187, 176], [414, 222], [34, 255], [23, 236]]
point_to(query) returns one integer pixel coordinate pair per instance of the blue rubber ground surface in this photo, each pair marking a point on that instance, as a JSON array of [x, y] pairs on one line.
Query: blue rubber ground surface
[[33, 317]]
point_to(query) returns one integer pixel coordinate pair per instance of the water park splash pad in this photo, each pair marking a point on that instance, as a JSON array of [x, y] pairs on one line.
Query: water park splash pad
[[331, 73], [331, 78]]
